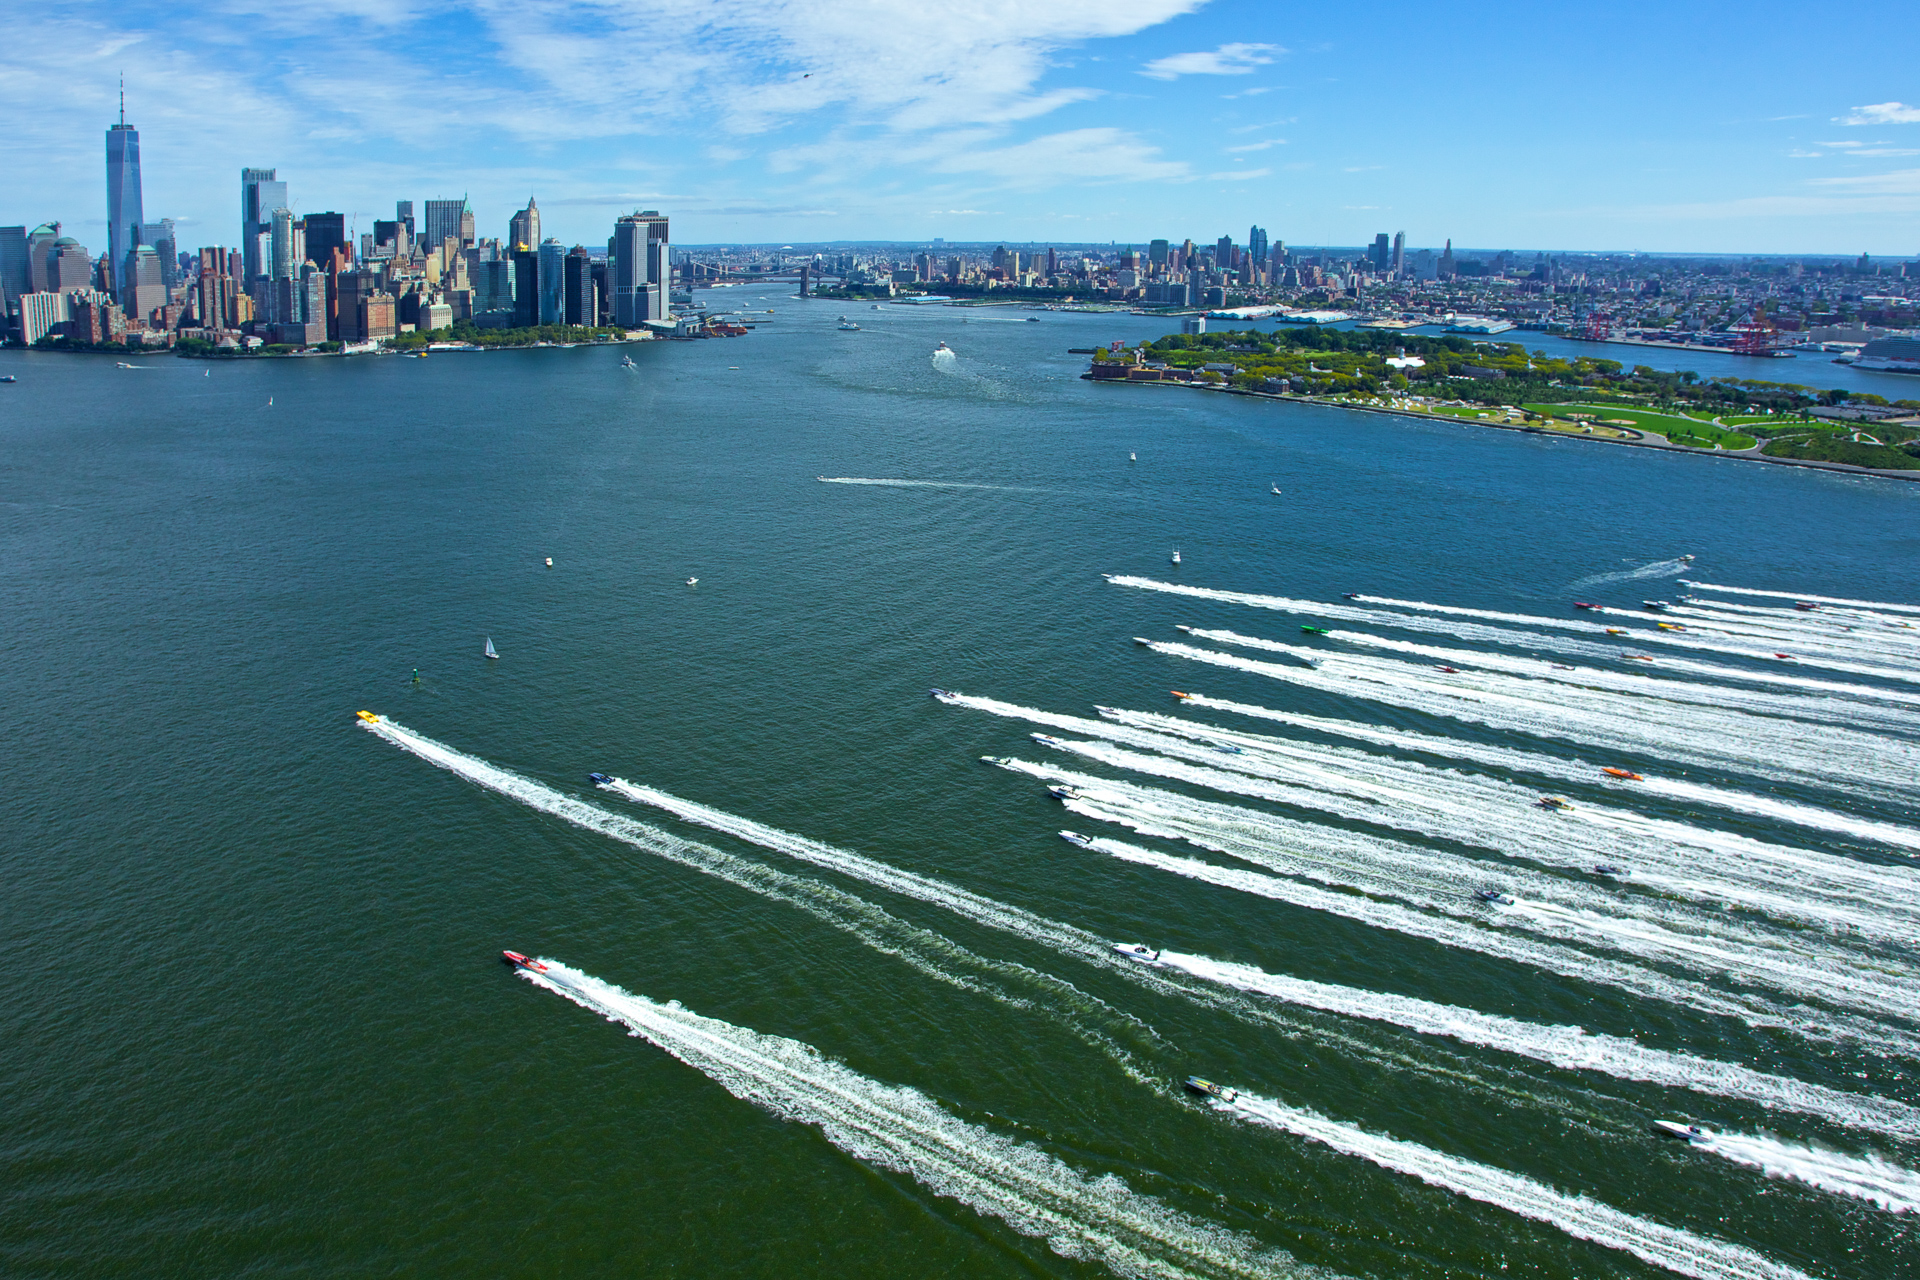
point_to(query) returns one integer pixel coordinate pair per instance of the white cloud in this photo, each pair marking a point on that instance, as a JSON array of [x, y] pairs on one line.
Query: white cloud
[[1238, 175], [1882, 113], [1091, 155], [1227, 60], [1257, 146], [1899, 182]]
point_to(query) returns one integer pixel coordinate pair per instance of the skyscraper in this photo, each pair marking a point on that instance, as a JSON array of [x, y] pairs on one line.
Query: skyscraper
[[1157, 254], [403, 212], [40, 242], [166, 243], [640, 268], [526, 288], [260, 195], [281, 261], [15, 279], [523, 230], [69, 266], [553, 257], [124, 214], [1257, 247], [1381, 253], [582, 300], [1399, 263], [325, 233], [448, 219]]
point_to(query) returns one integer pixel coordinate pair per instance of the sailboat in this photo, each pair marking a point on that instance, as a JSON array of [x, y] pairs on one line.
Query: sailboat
[[490, 651]]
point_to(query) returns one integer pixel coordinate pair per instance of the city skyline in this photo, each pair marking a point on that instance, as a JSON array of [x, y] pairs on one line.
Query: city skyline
[[1075, 124]]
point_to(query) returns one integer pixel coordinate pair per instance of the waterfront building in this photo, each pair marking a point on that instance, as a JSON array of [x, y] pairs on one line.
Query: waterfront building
[[40, 242], [492, 286], [15, 279], [582, 295], [523, 229], [553, 256], [377, 320], [526, 288], [260, 194], [639, 266], [449, 220], [124, 213], [351, 291], [93, 317], [42, 314]]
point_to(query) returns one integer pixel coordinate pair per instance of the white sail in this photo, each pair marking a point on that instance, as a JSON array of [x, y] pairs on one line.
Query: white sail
[[491, 653]]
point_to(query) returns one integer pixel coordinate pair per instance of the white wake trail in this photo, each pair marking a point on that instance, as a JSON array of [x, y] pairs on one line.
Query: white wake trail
[[900, 1129], [1673, 1248], [1566, 1047], [1498, 757], [922, 949], [1878, 605], [1878, 1182], [885, 483], [1865, 765]]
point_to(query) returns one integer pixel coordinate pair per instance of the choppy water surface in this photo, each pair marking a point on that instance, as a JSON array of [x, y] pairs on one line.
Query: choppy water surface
[[838, 999]]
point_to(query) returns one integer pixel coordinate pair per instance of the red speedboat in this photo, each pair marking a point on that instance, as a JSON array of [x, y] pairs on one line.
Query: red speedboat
[[1452, 671], [1582, 604], [1787, 656], [519, 961]]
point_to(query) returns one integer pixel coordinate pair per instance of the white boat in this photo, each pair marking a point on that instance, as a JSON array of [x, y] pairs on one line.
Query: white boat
[[549, 562], [693, 582], [1176, 555], [1135, 950], [1133, 457], [1276, 489], [848, 326], [1075, 838], [490, 651], [626, 362], [1685, 1132]]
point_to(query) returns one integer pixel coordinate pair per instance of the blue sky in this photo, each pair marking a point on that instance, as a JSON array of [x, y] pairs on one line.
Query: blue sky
[[1705, 126]]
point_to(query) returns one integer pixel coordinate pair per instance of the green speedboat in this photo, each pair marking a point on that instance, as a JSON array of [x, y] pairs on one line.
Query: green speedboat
[[1198, 1085], [1315, 631]]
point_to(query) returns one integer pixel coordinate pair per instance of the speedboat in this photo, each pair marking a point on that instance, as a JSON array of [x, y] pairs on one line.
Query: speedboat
[[1349, 595], [1046, 740], [1638, 657], [1616, 631], [10, 378], [1684, 1132], [1582, 604], [1493, 896], [1196, 1084], [1669, 626], [1612, 772], [1078, 841], [1686, 559], [1553, 802], [1133, 457], [937, 350], [1227, 748], [1142, 640], [693, 582], [1658, 606], [1786, 656], [626, 362], [1063, 793], [1138, 951], [1276, 489], [549, 562], [1452, 671], [599, 779], [368, 716], [942, 694], [519, 961], [1561, 666], [1801, 605], [1608, 869], [1176, 555], [1182, 696], [848, 326], [1315, 631]]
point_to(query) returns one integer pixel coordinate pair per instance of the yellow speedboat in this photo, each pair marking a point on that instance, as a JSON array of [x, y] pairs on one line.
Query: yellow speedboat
[[368, 716]]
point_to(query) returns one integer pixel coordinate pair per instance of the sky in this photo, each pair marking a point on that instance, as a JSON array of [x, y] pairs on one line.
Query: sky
[[1698, 127]]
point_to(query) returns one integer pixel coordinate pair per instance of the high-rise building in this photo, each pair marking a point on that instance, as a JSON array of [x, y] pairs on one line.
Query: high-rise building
[[1157, 251], [553, 282], [1223, 254], [325, 233], [42, 314], [582, 301], [124, 213], [166, 243], [280, 253], [69, 266], [523, 229], [448, 220], [1257, 248], [640, 262], [1399, 262], [15, 279], [260, 195], [40, 242], [526, 288], [403, 213], [1380, 252]]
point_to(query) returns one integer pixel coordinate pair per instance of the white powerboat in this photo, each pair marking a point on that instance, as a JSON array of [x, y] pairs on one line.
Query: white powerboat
[[1137, 951], [1076, 839], [1176, 555], [848, 326], [1684, 1132]]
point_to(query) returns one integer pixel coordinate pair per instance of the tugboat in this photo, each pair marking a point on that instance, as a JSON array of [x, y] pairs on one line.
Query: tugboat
[[1207, 1088]]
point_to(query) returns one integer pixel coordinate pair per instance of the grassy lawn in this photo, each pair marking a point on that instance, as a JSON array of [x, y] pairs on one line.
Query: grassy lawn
[[1691, 431], [1830, 447]]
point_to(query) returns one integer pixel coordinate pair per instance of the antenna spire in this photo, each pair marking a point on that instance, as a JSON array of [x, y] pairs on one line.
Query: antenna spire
[[123, 97]]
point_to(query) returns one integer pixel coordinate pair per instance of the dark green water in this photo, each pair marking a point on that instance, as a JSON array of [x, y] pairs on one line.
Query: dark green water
[[256, 1022]]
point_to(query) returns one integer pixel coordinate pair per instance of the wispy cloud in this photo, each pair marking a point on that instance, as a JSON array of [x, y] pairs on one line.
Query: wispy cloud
[[1238, 175], [1257, 146], [1227, 60], [1882, 113]]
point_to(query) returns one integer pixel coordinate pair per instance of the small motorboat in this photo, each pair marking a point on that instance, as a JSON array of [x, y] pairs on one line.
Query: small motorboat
[[942, 694], [368, 716], [1582, 604], [1669, 626], [519, 961], [1314, 631], [693, 582], [937, 350], [1686, 559], [626, 362], [1616, 631], [549, 562], [1226, 748], [1553, 802], [1063, 793], [1349, 595], [1196, 1084], [1138, 951], [490, 651], [10, 378], [1608, 869], [1046, 740], [1176, 555], [1452, 671], [1684, 1132], [1182, 696], [599, 779], [1801, 605], [1629, 775], [1276, 490], [1638, 657], [1494, 896], [1133, 457], [1078, 841], [1786, 657], [848, 326], [1658, 606]]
